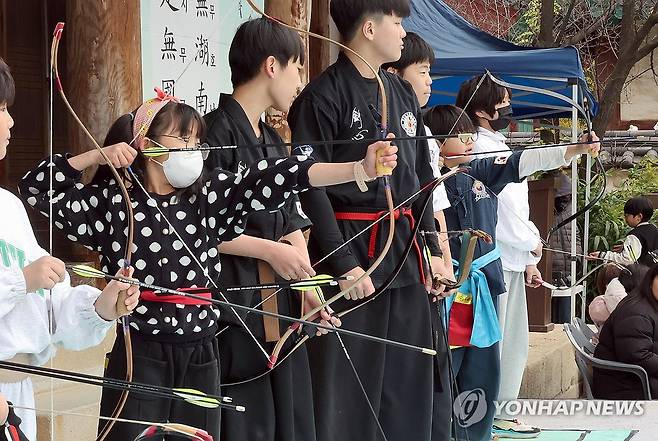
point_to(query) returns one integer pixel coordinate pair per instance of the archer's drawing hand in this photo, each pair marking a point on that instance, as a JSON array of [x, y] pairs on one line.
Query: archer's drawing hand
[[288, 262], [360, 290], [44, 273], [312, 301], [120, 155], [433, 284], [533, 276]]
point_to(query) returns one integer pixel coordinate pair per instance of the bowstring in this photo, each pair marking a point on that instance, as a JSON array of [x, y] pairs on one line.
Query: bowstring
[[198, 263], [356, 373], [50, 238], [347, 242]]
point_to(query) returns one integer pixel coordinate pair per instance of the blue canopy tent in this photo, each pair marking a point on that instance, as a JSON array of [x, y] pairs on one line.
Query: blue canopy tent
[[463, 51]]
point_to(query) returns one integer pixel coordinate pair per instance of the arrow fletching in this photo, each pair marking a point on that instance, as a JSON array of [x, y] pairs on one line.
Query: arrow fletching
[[319, 280], [198, 394], [154, 151], [86, 271], [197, 398]]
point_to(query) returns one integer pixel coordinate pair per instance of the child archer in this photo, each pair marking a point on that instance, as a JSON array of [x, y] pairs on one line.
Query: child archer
[[265, 60], [473, 329], [82, 315], [344, 103]]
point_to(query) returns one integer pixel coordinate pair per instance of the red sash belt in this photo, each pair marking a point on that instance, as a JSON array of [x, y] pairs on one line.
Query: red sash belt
[[372, 245], [151, 296]]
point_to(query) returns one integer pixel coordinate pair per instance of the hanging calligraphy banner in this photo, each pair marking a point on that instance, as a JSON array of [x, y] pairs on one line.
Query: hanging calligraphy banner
[[185, 47]]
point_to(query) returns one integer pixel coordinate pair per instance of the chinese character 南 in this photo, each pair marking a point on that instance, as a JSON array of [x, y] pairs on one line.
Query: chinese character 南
[[202, 50], [202, 100], [169, 50]]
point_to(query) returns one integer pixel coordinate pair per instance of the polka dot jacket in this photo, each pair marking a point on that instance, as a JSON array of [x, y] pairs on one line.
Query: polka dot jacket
[[95, 216]]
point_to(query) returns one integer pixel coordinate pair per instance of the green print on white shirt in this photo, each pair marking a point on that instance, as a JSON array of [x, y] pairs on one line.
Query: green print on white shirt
[[9, 255]]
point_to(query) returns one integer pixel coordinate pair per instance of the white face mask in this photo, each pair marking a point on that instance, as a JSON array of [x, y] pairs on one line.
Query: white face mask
[[182, 169]]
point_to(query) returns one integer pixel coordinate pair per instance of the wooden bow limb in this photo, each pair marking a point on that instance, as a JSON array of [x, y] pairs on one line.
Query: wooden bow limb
[[121, 306], [380, 169]]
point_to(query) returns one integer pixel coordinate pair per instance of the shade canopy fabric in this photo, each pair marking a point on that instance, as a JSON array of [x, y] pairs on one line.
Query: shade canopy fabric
[[463, 51]]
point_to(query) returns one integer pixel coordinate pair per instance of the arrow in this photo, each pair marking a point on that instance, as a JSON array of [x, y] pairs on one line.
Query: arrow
[[86, 271], [300, 285], [191, 396]]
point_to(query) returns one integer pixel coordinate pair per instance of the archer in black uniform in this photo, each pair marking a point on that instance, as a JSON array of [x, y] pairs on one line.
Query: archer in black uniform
[[265, 60], [344, 103]]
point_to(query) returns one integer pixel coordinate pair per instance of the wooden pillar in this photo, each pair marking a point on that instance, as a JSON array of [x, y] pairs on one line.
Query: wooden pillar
[[103, 68], [295, 13], [319, 50], [542, 207], [103, 64], [3, 54]]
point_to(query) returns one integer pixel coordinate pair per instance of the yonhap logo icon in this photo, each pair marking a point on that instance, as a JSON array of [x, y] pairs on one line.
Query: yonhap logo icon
[[470, 407]]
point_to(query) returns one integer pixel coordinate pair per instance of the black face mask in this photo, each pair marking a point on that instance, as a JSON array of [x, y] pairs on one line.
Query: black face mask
[[504, 119]]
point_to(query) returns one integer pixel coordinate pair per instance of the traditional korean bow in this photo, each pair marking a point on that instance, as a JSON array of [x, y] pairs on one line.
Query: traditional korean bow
[[585, 111], [121, 308]]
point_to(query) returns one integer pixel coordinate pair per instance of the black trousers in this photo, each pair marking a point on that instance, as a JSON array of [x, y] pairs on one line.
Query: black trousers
[[442, 414], [279, 405], [192, 364], [399, 383]]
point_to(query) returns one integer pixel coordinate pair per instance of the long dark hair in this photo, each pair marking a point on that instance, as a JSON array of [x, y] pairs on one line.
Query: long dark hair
[[645, 289], [631, 277], [178, 117]]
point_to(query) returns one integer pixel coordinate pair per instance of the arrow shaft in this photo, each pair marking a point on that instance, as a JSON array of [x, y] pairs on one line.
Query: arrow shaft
[[110, 384], [104, 381]]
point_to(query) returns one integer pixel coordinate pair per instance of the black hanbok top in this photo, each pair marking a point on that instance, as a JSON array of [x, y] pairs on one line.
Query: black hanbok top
[[229, 125], [342, 104]]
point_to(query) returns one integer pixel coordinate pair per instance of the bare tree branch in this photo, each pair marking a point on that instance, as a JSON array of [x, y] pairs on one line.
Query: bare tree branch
[[647, 49], [648, 25], [593, 27], [565, 22]]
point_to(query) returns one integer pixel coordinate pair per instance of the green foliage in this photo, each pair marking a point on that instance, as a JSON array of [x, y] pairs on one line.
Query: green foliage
[[607, 225], [524, 32]]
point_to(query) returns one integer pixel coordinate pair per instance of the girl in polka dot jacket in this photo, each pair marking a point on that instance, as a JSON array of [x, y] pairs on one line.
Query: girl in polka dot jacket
[[180, 218]]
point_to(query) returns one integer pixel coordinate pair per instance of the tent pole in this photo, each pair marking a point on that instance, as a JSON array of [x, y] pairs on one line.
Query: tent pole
[[574, 199], [588, 188]]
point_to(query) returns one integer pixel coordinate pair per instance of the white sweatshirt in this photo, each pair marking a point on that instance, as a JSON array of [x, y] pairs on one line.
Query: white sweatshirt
[[439, 197], [24, 316], [514, 240]]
